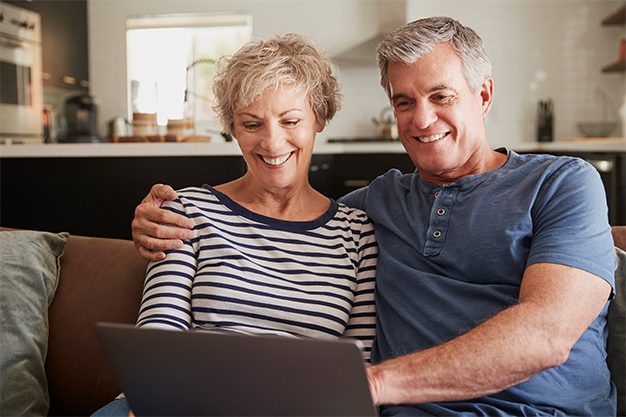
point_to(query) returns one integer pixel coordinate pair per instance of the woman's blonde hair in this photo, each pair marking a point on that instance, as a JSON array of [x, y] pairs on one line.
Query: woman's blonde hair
[[282, 60]]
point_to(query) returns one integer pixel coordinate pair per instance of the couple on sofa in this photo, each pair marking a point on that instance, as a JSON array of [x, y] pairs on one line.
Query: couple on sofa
[[493, 270]]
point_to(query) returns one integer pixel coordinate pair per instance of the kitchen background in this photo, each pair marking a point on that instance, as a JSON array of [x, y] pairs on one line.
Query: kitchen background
[[551, 49], [541, 50]]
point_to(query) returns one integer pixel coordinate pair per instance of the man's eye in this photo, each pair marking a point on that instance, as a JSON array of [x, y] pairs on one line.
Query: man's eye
[[444, 98], [401, 104]]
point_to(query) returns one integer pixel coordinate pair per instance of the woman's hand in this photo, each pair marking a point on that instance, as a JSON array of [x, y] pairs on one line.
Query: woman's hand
[[156, 229]]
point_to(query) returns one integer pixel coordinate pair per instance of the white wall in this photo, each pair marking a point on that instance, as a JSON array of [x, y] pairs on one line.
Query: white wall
[[540, 49]]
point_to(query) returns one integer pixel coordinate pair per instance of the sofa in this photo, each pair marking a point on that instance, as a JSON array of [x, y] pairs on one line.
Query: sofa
[[54, 287], [100, 280]]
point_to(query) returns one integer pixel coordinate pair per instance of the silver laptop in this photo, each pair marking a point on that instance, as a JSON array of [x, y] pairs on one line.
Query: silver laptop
[[216, 374]]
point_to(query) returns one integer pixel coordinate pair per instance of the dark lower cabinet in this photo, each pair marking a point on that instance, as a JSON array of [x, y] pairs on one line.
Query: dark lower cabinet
[[97, 196], [352, 171]]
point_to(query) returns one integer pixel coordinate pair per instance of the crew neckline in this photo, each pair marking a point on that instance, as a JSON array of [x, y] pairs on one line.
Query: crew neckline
[[271, 221]]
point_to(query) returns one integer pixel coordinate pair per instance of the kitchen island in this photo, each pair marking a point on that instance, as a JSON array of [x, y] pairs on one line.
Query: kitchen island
[[168, 149], [92, 189]]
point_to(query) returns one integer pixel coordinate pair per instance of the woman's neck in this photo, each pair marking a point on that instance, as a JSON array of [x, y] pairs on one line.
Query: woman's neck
[[302, 203]]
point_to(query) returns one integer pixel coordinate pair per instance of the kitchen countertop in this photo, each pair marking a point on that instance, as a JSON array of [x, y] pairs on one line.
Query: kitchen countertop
[[165, 149]]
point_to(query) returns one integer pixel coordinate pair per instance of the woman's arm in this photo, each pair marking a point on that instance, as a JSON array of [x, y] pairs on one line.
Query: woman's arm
[[166, 300], [362, 322]]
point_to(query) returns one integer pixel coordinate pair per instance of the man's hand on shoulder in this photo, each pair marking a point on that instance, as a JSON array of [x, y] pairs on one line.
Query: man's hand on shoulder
[[156, 229]]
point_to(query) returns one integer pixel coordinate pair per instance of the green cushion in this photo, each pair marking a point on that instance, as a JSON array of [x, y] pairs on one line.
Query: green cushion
[[29, 274]]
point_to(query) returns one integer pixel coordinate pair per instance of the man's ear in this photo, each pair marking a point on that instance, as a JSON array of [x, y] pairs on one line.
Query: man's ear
[[486, 94]]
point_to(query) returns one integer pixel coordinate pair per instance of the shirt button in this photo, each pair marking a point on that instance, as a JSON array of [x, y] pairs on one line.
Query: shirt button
[[436, 194], [437, 233], [441, 212]]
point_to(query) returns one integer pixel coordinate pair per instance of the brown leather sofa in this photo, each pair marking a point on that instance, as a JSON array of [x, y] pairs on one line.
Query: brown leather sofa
[[101, 280]]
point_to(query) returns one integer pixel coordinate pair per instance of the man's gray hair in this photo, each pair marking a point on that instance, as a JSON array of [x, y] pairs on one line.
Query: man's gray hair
[[418, 38]]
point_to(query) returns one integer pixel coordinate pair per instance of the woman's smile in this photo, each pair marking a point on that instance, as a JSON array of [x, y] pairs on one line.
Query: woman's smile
[[275, 161]]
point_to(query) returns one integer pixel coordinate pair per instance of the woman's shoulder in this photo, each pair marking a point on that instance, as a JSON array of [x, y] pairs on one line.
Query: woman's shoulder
[[351, 215], [193, 196]]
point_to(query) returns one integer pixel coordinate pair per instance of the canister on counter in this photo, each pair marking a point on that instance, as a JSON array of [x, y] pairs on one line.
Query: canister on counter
[[145, 124], [184, 127]]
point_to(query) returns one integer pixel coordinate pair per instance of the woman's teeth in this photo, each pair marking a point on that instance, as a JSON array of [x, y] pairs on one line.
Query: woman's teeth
[[426, 139], [276, 161]]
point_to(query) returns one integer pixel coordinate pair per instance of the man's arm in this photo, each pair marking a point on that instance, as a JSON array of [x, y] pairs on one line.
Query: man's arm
[[557, 304], [156, 229]]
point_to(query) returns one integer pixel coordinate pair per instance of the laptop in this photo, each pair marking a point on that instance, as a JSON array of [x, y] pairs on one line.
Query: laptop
[[200, 373]]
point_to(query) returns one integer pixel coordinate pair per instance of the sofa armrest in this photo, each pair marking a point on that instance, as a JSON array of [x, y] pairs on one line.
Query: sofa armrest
[[619, 236], [101, 280]]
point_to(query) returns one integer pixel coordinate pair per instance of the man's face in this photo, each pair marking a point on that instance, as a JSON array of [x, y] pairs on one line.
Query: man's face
[[440, 120]]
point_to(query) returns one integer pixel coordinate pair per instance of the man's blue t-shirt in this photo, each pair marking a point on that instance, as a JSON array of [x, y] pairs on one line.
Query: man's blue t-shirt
[[451, 256]]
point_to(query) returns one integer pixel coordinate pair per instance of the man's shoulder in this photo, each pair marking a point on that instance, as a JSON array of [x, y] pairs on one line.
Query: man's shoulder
[[544, 166], [546, 160]]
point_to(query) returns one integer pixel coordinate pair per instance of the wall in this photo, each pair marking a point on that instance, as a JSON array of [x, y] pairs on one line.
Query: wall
[[320, 19], [540, 49]]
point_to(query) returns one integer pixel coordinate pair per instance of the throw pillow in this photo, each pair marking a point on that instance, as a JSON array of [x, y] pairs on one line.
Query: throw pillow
[[29, 273]]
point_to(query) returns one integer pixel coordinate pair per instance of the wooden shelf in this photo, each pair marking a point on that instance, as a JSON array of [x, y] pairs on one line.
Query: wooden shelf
[[618, 17], [618, 66]]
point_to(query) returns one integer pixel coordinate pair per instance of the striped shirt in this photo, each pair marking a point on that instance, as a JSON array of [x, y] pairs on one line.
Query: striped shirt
[[254, 274]]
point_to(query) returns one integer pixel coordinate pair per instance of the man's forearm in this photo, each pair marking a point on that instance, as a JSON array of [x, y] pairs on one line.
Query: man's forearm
[[557, 304], [490, 358]]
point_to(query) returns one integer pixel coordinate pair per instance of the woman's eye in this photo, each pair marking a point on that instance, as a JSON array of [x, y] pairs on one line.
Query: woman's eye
[[291, 122], [251, 126]]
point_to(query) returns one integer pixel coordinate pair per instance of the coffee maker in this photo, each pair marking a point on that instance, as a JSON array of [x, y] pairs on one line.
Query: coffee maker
[[81, 114]]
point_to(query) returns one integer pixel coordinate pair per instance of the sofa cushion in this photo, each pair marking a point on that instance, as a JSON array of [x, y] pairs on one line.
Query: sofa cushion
[[29, 273], [101, 281]]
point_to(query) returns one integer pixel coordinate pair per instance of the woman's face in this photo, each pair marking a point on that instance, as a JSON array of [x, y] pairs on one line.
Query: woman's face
[[276, 135]]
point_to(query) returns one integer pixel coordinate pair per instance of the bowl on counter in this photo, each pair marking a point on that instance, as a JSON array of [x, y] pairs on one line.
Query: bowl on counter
[[597, 129]]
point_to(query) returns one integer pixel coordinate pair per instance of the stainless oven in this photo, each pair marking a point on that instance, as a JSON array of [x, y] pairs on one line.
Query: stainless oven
[[21, 84]]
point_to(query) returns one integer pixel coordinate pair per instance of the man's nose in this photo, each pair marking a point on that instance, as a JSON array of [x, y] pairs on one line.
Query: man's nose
[[424, 115]]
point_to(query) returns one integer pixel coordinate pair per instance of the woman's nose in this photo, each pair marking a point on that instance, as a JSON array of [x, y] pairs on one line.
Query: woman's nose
[[273, 138]]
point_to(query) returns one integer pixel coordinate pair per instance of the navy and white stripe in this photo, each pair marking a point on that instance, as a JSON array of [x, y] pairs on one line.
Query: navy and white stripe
[[250, 273]]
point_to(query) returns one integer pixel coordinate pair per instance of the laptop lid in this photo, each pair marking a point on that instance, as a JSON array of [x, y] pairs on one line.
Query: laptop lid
[[216, 374]]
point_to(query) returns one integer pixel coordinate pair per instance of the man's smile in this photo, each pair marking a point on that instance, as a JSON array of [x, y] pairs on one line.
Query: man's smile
[[433, 138]]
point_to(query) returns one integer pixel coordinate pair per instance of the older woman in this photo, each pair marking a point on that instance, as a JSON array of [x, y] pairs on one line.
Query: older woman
[[269, 254]]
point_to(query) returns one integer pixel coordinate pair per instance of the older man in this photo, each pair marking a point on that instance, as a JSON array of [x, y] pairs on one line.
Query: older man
[[495, 269]]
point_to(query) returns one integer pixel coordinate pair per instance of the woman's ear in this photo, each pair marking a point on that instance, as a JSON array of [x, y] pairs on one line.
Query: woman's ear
[[320, 126]]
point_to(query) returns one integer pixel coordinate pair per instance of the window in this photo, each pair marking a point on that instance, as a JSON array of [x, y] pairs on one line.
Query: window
[[170, 62]]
